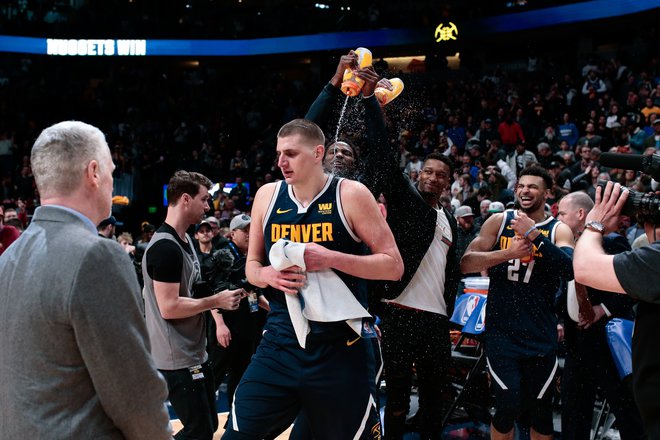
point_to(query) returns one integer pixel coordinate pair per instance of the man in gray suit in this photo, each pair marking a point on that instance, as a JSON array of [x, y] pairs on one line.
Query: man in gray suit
[[74, 351]]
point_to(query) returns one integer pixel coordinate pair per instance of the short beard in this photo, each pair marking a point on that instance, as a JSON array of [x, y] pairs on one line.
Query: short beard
[[345, 173], [531, 208]]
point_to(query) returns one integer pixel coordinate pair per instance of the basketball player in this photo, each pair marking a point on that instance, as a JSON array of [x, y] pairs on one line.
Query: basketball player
[[527, 253], [329, 379]]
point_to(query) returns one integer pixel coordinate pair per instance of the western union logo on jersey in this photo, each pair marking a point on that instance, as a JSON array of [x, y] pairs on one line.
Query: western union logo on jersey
[[311, 233], [325, 208]]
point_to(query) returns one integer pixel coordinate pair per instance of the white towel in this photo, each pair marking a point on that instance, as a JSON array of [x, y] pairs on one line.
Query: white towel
[[326, 296]]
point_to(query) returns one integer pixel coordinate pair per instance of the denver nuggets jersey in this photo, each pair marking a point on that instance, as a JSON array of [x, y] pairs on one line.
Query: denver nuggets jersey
[[322, 222], [520, 313]]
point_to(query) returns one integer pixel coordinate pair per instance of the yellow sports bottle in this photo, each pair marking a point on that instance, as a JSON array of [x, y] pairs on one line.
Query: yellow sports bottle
[[385, 96], [352, 85]]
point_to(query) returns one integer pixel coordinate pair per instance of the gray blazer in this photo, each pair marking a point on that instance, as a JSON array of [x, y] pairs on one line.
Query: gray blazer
[[74, 352]]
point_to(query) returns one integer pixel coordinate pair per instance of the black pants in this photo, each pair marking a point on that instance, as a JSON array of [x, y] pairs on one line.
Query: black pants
[[419, 338], [589, 365], [232, 361], [192, 396]]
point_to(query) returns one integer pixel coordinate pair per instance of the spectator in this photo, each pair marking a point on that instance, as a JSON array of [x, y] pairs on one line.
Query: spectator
[[520, 158], [239, 194], [568, 131], [593, 84], [466, 230], [510, 133], [106, 228], [590, 139], [8, 234]]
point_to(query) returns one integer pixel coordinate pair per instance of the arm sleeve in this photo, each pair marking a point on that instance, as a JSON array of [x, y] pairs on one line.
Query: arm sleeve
[[379, 162], [560, 259], [638, 273], [107, 319], [165, 262], [319, 110]]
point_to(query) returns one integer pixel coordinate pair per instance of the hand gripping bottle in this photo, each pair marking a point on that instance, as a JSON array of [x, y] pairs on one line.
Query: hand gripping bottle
[[386, 96], [352, 85]]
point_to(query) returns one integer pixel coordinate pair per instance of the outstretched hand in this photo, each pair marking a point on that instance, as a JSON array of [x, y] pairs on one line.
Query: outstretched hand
[[608, 206]]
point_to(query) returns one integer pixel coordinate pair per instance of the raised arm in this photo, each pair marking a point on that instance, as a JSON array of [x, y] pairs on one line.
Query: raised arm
[[592, 266], [364, 218], [318, 112], [479, 254]]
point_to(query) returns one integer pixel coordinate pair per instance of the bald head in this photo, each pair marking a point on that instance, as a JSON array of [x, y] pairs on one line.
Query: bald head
[[580, 200], [573, 210]]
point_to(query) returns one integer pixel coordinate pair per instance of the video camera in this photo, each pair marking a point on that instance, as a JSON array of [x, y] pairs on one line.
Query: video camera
[[646, 206], [222, 273]]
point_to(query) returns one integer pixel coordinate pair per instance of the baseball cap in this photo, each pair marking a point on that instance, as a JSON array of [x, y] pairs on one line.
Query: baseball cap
[[241, 221], [496, 207], [211, 221], [463, 211], [110, 221], [202, 223]]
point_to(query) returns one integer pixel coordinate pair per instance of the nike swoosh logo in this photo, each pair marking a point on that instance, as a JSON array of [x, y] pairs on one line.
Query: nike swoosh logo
[[349, 342], [283, 211]]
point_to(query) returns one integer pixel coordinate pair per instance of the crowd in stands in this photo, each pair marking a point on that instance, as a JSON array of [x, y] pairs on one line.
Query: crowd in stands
[[238, 19], [491, 124]]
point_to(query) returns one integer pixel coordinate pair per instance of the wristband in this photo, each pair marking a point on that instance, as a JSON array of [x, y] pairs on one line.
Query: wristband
[[532, 229]]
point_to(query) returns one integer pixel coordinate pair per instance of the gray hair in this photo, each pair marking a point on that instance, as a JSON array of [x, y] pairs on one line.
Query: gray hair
[[62, 152]]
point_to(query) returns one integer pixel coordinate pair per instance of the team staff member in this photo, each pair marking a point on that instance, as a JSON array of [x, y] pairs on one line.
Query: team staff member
[[521, 335], [331, 379], [425, 233], [588, 363], [75, 360], [637, 274], [236, 333], [174, 318]]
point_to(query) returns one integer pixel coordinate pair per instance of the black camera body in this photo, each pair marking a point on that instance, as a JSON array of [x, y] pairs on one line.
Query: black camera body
[[644, 206], [223, 272]]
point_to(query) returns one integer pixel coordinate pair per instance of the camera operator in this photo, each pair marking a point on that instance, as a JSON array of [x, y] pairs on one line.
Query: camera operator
[[637, 274], [174, 316], [234, 335]]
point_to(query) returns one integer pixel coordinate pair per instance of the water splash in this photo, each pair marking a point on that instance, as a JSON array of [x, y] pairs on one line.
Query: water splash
[[341, 117]]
